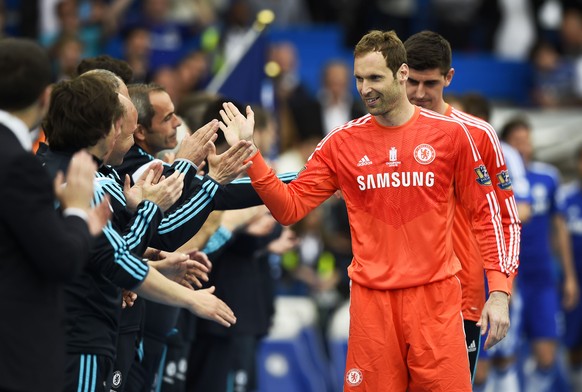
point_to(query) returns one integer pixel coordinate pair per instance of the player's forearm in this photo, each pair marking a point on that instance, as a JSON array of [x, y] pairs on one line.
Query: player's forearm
[[158, 288]]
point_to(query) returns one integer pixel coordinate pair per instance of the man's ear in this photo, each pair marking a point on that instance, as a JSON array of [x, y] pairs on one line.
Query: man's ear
[[139, 133], [403, 73], [449, 77]]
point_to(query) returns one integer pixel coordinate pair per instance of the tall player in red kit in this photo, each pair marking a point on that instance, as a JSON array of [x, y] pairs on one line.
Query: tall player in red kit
[[401, 170], [429, 61]]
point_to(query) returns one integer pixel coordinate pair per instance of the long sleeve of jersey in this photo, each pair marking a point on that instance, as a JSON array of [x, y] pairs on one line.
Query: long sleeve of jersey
[[479, 197], [493, 158], [400, 185]]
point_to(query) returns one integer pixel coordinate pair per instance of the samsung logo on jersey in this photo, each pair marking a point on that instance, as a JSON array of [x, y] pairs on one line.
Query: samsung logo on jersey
[[395, 180]]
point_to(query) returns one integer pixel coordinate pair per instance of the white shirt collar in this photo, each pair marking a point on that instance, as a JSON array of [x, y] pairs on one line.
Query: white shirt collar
[[18, 127]]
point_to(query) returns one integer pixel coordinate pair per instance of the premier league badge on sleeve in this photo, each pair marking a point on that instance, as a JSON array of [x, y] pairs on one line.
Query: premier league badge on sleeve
[[504, 180], [482, 175]]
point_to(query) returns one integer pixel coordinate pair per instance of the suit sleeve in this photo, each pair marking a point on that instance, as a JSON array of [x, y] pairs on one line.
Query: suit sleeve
[[290, 202], [473, 188], [58, 247]]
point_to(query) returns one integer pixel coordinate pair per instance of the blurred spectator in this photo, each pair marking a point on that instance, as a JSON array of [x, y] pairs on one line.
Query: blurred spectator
[[265, 130], [169, 40], [337, 236], [297, 111], [167, 77], [517, 31], [66, 54], [476, 19], [136, 51], [70, 23], [544, 240], [192, 107], [554, 77], [570, 204], [238, 20], [337, 102], [193, 72], [571, 34], [312, 270], [571, 31]]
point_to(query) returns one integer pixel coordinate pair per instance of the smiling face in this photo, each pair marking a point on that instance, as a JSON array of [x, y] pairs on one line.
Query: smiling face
[[378, 88], [425, 88], [163, 131]]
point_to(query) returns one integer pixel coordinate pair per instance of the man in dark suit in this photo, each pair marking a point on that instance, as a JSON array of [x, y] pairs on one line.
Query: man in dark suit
[[34, 236]]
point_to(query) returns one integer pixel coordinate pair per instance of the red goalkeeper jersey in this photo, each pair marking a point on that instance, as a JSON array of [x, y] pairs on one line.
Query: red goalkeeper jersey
[[464, 242], [400, 185]]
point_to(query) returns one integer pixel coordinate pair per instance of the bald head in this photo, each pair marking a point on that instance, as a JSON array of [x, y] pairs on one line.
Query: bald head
[[128, 125]]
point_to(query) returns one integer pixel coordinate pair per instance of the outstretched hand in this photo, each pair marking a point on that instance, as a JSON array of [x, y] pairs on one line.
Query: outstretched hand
[[236, 126], [210, 307], [229, 165], [199, 266], [196, 146]]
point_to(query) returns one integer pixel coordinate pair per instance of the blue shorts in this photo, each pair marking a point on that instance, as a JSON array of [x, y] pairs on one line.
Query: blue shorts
[[541, 315]]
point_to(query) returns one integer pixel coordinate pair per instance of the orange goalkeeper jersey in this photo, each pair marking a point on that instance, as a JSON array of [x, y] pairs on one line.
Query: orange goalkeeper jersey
[[400, 185], [464, 242]]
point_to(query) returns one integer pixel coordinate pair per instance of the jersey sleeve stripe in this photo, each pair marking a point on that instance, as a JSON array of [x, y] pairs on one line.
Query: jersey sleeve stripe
[[485, 127], [497, 227], [131, 264], [140, 224], [183, 218], [514, 233], [184, 213]]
